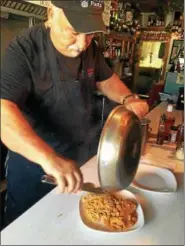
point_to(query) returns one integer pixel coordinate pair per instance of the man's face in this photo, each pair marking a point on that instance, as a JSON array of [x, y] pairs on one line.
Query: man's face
[[64, 37]]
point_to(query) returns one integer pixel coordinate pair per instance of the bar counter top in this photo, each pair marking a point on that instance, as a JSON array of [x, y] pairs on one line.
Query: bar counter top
[[55, 219]]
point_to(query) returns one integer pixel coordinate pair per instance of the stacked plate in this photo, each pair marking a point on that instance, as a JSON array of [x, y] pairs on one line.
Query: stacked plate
[[155, 179]]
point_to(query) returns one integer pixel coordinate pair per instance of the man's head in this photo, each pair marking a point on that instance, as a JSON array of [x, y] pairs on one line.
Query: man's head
[[73, 24]]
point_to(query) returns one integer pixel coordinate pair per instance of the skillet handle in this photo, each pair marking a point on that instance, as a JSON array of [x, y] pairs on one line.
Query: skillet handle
[[88, 187], [48, 180]]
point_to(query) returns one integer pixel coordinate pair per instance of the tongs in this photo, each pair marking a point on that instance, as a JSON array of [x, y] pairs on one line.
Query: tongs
[[88, 187]]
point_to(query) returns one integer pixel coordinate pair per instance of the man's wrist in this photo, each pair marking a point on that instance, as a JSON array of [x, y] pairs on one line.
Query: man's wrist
[[128, 96], [46, 156]]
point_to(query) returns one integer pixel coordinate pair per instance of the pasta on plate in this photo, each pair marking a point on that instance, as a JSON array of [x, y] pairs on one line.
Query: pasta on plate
[[113, 211]]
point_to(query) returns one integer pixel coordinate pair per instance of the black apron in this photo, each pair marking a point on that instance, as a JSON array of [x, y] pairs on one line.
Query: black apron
[[75, 97]]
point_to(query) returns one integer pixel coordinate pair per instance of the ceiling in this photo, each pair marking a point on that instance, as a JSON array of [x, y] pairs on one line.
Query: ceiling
[[23, 8], [27, 9]]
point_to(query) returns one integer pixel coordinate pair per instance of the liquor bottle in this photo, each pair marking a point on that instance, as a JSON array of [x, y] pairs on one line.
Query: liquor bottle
[[124, 28], [129, 14], [112, 20], [154, 22], [162, 22], [116, 27], [106, 53], [118, 52], [173, 134], [178, 67], [122, 14], [180, 135], [172, 69], [159, 22], [116, 22], [161, 130], [149, 21], [169, 120], [180, 152], [173, 27], [180, 28]]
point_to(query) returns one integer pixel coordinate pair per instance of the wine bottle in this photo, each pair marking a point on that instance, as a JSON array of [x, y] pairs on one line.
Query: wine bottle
[[159, 21], [180, 28], [149, 21], [112, 20], [161, 130], [129, 14], [163, 22], [154, 22]]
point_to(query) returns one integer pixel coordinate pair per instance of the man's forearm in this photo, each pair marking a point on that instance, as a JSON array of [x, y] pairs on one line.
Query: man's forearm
[[113, 88], [18, 135]]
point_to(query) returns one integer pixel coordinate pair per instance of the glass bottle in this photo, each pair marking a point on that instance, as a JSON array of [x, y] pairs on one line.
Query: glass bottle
[[178, 67], [180, 152], [161, 130], [173, 134], [180, 135], [129, 14], [163, 22], [149, 21], [112, 20], [169, 120]]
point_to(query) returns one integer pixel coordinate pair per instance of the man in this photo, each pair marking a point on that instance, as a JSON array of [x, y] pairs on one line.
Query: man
[[47, 80]]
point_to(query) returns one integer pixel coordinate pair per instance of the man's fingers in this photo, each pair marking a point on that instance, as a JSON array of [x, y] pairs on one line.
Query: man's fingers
[[79, 181], [62, 183], [71, 182]]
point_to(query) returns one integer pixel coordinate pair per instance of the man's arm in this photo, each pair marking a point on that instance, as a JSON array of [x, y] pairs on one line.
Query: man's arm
[[113, 88], [18, 135]]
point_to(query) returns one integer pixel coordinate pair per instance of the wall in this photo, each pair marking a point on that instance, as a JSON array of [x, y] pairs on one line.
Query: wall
[[9, 29], [149, 55]]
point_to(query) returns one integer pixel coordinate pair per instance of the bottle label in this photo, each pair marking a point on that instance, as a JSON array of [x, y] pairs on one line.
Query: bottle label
[[173, 137], [129, 16], [170, 108]]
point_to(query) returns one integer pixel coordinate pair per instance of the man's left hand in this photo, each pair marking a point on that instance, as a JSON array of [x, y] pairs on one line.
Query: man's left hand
[[137, 106]]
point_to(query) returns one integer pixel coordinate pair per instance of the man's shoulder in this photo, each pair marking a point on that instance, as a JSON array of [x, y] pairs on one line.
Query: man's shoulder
[[30, 41]]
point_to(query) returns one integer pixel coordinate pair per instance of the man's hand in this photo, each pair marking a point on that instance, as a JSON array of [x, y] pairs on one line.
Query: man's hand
[[137, 106], [67, 175]]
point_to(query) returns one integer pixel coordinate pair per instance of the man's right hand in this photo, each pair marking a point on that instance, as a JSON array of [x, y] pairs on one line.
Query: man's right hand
[[67, 175], [18, 135]]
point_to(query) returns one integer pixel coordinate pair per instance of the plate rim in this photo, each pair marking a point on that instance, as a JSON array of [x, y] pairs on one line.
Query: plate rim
[[164, 170]]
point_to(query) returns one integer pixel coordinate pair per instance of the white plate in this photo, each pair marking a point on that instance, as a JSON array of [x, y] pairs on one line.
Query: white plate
[[127, 195], [154, 179]]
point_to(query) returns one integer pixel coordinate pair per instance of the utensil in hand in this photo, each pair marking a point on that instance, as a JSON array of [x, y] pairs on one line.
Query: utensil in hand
[[88, 187]]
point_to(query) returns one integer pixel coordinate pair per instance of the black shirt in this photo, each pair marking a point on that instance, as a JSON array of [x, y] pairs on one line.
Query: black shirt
[[47, 86]]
